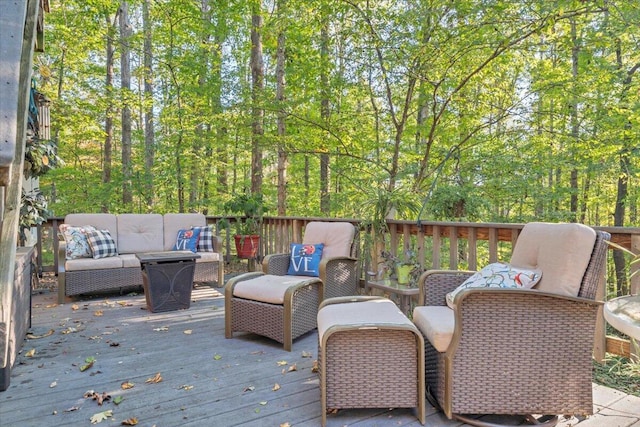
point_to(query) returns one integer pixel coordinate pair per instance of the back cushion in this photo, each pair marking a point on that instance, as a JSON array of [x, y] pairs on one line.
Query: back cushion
[[139, 233], [101, 221], [336, 236], [174, 222], [561, 251]]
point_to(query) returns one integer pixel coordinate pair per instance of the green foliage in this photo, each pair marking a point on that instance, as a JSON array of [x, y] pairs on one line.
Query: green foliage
[[505, 111], [33, 211], [249, 209]]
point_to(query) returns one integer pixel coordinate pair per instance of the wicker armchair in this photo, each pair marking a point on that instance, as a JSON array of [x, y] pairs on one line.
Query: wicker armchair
[[517, 351], [283, 307]]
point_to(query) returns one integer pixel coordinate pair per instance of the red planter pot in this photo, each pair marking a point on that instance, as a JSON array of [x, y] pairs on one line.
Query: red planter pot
[[247, 246]]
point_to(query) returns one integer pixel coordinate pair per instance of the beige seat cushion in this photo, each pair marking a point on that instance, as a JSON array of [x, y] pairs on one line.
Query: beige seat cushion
[[360, 314], [139, 233], [336, 236], [208, 257], [268, 288], [561, 251], [80, 264], [437, 324], [174, 222]]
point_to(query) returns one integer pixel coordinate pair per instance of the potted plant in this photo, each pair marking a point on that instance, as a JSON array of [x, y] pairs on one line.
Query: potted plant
[[405, 270], [249, 209]]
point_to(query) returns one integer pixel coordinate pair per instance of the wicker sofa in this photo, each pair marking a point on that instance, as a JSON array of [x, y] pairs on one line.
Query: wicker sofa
[[132, 233]]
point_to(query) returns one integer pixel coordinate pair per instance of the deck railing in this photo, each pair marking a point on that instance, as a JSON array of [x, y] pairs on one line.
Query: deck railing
[[449, 245]]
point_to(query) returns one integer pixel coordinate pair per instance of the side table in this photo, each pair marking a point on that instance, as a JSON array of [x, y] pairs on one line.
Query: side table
[[167, 278], [623, 313], [404, 292]]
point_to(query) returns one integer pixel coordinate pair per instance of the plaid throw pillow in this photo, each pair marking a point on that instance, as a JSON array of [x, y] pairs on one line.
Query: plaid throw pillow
[[205, 244], [101, 243]]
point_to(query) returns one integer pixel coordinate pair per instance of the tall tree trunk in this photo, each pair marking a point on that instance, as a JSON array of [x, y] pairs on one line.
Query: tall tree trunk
[[575, 125], [280, 98], [257, 97], [125, 84], [325, 202], [200, 141], [149, 134], [108, 120], [623, 177]]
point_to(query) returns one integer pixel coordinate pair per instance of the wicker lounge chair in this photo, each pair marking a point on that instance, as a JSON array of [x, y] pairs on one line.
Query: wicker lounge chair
[[283, 307], [517, 351]]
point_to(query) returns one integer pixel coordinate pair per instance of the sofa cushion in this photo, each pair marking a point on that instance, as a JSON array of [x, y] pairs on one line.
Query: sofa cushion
[[80, 264], [173, 222], [266, 288], [208, 257], [101, 243], [336, 237], [436, 323], [129, 260], [140, 233], [76, 244], [549, 247], [305, 259], [101, 221]]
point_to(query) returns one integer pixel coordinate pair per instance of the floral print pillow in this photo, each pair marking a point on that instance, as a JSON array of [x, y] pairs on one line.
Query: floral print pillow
[[76, 244], [499, 275]]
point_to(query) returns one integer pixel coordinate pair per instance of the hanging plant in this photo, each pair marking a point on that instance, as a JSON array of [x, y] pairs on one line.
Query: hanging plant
[[33, 211]]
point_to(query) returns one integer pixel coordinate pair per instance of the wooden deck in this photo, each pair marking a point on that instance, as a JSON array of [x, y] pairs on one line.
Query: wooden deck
[[206, 379]]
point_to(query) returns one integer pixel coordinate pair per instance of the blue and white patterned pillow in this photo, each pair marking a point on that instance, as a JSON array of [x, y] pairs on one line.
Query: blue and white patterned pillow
[[499, 275], [76, 244], [187, 240], [101, 243], [205, 241], [305, 259]]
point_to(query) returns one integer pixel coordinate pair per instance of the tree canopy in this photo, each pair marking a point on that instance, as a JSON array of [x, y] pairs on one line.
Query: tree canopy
[[491, 110]]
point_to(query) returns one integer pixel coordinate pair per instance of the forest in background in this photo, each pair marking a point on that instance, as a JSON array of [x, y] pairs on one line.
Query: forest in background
[[493, 110]]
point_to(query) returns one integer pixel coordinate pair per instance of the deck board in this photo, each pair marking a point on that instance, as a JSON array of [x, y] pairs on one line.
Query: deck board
[[206, 379]]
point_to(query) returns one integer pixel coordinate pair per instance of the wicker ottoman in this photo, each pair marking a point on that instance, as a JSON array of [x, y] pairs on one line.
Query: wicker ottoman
[[369, 356]]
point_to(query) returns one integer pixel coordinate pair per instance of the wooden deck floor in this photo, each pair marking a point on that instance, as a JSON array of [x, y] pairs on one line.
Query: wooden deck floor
[[207, 380]]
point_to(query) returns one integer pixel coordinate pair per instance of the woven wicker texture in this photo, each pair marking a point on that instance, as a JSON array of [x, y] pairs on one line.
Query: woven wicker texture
[[516, 352], [373, 368], [271, 320], [91, 281], [339, 277]]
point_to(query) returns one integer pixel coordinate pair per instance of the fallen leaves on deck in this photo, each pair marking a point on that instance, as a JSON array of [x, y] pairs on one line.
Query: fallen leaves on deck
[[127, 385], [30, 353], [89, 361], [161, 329], [276, 387], [155, 379], [35, 337], [98, 397], [130, 422], [101, 416]]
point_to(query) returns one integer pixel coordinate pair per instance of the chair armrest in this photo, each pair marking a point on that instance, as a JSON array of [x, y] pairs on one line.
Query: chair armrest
[[514, 325], [339, 276], [62, 255], [276, 264], [217, 244], [434, 285]]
